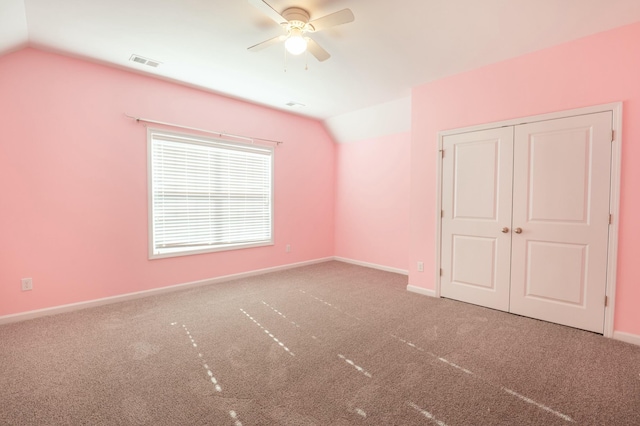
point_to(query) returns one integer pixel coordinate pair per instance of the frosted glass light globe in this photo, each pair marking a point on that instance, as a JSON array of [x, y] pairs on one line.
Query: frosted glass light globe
[[295, 43]]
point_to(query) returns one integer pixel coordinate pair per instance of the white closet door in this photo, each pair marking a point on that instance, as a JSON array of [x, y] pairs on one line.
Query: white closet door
[[561, 185], [476, 203]]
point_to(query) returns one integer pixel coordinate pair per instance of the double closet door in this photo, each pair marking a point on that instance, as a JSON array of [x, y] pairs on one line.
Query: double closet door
[[525, 220]]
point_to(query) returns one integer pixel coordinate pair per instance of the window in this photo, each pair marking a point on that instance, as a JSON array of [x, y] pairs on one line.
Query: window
[[207, 195]]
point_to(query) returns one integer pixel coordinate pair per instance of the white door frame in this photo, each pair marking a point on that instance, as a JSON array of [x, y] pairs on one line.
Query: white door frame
[[614, 201]]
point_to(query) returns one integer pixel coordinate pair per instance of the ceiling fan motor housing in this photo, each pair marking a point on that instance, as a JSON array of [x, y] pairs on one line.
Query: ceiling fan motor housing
[[296, 17]]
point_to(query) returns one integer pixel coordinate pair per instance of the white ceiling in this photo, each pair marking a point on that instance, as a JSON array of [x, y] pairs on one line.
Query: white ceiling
[[391, 46]]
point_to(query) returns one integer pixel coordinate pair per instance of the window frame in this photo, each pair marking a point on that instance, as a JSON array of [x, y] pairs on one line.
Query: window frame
[[206, 141]]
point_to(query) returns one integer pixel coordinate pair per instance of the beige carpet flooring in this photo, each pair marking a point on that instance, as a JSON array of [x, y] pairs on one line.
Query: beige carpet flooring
[[327, 344]]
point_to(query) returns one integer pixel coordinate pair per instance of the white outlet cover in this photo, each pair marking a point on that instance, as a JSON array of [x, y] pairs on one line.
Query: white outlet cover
[[27, 284]]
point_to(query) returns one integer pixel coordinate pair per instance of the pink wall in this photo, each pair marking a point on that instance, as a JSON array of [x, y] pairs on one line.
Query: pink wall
[[594, 70], [73, 179], [372, 200]]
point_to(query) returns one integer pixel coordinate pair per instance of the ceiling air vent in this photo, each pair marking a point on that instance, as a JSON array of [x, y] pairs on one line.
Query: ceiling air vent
[[144, 61], [294, 104]]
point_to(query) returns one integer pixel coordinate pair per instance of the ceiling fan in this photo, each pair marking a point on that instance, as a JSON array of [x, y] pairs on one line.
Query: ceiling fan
[[295, 21]]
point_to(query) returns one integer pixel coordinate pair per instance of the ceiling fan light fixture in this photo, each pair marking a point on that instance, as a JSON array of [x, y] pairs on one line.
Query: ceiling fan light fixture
[[295, 43]]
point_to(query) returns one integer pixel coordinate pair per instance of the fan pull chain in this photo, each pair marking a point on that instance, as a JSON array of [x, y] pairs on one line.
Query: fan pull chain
[[285, 59]]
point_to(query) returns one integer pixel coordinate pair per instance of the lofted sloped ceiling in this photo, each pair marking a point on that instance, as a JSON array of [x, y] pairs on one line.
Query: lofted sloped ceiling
[[375, 60]]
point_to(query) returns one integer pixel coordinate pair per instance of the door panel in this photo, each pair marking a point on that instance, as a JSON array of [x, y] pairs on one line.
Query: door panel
[[476, 202], [561, 184], [556, 272], [475, 189], [559, 175], [477, 251]]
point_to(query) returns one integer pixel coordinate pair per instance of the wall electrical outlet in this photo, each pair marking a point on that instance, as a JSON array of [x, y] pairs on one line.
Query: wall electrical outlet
[[288, 248], [27, 284], [420, 266]]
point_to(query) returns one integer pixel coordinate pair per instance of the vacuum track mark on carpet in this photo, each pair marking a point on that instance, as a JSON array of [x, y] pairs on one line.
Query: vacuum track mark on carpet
[[292, 322], [361, 412], [279, 313], [234, 416], [357, 367], [275, 339], [212, 379], [426, 414], [330, 305], [410, 344], [542, 406], [509, 391]]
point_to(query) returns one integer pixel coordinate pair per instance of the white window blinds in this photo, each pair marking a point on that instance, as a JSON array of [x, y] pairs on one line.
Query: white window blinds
[[208, 195]]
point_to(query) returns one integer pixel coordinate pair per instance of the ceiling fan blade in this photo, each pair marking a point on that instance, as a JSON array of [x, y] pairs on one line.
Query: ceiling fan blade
[[268, 10], [337, 18], [316, 50], [266, 43]]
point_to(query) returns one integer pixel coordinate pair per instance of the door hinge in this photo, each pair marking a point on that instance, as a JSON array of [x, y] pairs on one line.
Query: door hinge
[[613, 135], [610, 219], [440, 271], [441, 213], [606, 301], [441, 152]]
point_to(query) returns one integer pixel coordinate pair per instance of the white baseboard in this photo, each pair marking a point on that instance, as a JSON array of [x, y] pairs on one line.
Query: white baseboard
[[371, 265], [421, 290], [23, 316], [627, 337]]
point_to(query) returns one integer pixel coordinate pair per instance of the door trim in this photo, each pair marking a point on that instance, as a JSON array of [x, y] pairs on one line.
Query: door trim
[[614, 199]]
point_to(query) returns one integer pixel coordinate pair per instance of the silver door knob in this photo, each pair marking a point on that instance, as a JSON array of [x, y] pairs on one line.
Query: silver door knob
[[505, 230], [518, 230]]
